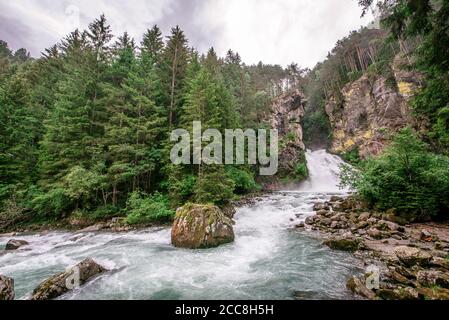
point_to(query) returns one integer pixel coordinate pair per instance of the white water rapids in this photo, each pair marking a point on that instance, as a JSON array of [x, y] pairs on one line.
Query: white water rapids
[[270, 259]]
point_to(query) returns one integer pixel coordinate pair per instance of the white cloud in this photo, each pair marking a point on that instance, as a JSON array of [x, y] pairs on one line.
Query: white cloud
[[278, 31]]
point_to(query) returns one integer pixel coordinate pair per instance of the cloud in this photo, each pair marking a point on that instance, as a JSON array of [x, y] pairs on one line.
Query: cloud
[[278, 31]]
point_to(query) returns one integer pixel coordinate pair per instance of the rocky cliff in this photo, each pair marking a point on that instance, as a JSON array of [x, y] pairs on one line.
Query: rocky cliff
[[285, 116], [370, 109]]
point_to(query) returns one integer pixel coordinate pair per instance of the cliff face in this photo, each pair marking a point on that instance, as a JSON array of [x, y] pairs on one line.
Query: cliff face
[[285, 116], [371, 110]]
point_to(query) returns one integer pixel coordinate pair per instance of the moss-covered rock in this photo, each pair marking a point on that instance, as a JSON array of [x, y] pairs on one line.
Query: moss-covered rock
[[200, 227], [343, 244], [68, 280]]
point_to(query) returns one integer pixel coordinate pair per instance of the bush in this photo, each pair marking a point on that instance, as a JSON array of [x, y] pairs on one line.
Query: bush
[[243, 180], [52, 203], [301, 171], [407, 177], [144, 208]]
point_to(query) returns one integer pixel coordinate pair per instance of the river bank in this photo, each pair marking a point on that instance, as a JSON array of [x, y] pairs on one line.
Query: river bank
[[406, 261]]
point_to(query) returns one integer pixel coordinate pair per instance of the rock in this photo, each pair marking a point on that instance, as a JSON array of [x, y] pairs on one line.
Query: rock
[[201, 226], [94, 228], [6, 288], [336, 199], [388, 225], [334, 225], [321, 207], [300, 225], [398, 294], [392, 217], [61, 283], [362, 225], [322, 213], [229, 211], [355, 285], [399, 278], [372, 221], [364, 216], [343, 244], [440, 262], [429, 278], [427, 236], [412, 256], [15, 244], [434, 293], [311, 220], [374, 233]]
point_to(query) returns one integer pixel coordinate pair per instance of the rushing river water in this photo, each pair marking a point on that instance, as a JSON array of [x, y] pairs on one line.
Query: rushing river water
[[268, 260]]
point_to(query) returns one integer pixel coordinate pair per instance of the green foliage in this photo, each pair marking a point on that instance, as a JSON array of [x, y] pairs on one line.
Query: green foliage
[[301, 172], [407, 177], [54, 203], [243, 180], [214, 187], [143, 208], [352, 157]]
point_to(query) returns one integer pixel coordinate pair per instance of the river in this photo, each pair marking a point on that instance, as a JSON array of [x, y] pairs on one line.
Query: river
[[270, 259]]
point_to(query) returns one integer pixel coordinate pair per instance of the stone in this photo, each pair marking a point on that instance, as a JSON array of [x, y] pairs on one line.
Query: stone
[[334, 225], [440, 262], [429, 278], [6, 288], [311, 220], [410, 256], [60, 284], [364, 216], [229, 211], [300, 225], [362, 225], [356, 286], [321, 207], [434, 293], [327, 222], [398, 294], [399, 278], [343, 244], [322, 212], [14, 244], [201, 226], [372, 221], [374, 233]]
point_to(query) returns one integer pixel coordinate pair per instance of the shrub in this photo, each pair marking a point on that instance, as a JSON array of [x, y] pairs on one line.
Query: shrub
[[301, 171], [144, 208], [243, 180], [52, 203], [407, 177]]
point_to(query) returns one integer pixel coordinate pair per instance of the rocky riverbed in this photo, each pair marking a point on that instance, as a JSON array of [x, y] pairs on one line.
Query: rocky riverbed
[[404, 261]]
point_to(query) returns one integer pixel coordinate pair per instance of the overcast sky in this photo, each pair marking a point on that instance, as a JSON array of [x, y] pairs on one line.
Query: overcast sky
[[272, 31]]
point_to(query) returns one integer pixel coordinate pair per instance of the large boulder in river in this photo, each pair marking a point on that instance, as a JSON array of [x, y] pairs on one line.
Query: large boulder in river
[[14, 244], [411, 256], [70, 279], [201, 226], [6, 288]]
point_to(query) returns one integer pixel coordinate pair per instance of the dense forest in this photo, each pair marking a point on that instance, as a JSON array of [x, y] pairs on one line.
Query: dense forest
[[85, 128]]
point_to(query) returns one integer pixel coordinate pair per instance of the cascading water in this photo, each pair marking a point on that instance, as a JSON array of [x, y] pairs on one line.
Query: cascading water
[[268, 260]]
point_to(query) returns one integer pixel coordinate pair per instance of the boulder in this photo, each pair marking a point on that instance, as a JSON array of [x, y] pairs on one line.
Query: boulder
[[434, 293], [321, 206], [398, 294], [61, 283], [375, 234], [364, 216], [355, 285], [430, 278], [14, 244], [440, 263], [412, 256], [229, 211], [6, 288], [343, 244], [200, 227]]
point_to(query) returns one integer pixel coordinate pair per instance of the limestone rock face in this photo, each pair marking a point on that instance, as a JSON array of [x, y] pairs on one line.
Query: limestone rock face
[[370, 108], [61, 283], [200, 227], [6, 288]]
